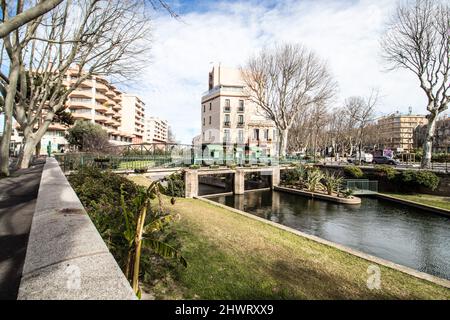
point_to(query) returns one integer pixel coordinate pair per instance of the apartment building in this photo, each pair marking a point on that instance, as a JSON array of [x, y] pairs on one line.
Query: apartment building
[[441, 142], [133, 109], [396, 131], [100, 102], [229, 117], [156, 130]]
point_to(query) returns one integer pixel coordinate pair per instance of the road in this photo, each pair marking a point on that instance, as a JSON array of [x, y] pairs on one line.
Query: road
[[18, 195]]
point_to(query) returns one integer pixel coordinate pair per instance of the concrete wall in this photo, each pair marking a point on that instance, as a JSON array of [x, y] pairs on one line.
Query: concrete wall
[[66, 257]]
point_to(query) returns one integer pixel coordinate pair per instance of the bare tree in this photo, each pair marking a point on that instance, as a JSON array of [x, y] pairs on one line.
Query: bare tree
[[283, 82], [360, 112], [98, 37], [418, 39], [9, 24]]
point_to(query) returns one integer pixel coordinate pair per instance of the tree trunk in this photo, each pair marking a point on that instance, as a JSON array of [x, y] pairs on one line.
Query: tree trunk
[[27, 153], [31, 139], [8, 112], [428, 144], [283, 142]]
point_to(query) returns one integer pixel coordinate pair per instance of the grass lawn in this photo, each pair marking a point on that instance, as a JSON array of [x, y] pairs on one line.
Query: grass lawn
[[426, 199], [136, 164], [234, 257]]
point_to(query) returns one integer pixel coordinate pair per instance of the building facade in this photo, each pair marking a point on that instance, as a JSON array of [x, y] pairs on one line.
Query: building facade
[[441, 142], [98, 101], [396, 131], [228, 117], [133, 109], [156, 130]]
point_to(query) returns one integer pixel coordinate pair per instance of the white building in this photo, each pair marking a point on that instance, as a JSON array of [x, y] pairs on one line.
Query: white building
[[229, 117], [156, 130], [133, 109]]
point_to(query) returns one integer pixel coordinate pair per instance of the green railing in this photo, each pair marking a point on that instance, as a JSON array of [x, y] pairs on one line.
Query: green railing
[[69, 162]]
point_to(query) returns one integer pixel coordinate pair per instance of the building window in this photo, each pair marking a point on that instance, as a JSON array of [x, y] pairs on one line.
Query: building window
[[241, 136], [256, 134], [209, 119], [226, 135], [210, 106], [227, 103], [266, 134], [204, 108], [203, 121], [241, 105], [241, 119]]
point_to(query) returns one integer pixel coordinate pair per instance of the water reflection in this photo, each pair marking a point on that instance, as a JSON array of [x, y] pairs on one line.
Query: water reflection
[[408, 236]]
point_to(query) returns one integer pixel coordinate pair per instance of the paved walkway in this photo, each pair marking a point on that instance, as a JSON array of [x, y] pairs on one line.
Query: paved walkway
[[18, 195]]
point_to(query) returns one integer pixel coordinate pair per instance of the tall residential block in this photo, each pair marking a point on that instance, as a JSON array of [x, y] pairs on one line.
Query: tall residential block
[[133, 109], [156, 130], [396, 130]]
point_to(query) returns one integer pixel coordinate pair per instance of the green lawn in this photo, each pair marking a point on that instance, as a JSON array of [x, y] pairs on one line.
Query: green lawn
[[426, 199], [234, 257], [136, 164]]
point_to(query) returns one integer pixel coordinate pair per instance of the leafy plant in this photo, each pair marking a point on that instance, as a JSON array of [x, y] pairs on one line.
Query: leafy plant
[[347, 193], [353, 172], [116, 207], [141, 229], [332, 182], [194, 166], [313, 178], [175, 185], [293, 176]]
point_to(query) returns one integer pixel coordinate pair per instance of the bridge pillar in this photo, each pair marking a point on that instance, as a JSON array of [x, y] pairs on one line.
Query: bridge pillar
[[191, 183], [275, 177], [239, 179]]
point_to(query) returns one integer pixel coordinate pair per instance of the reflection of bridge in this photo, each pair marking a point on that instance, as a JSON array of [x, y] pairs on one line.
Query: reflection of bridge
[[361, 186]]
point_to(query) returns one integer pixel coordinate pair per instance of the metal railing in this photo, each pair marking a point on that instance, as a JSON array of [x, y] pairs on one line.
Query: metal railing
[[361, 186]]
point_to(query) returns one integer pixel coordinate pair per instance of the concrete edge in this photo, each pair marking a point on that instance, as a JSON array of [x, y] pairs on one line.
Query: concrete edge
[[389, 264], [354, 200], [66, 257], [436, 210]]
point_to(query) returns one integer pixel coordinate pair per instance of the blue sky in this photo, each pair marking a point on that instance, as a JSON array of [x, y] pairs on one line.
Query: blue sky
[[344, 33]]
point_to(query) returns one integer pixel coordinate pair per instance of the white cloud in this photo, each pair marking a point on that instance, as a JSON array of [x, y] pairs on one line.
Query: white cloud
[[345, 33]]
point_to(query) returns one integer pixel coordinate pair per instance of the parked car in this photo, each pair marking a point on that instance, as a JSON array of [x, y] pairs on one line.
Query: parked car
[[385, 160], [365, 158]]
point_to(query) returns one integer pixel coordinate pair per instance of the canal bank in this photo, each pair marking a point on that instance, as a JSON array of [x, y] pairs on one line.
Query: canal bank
[[406, 236]]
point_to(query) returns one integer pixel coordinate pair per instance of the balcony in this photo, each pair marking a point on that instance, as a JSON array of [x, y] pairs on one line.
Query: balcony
[[226, 109], [240, 124], [240, 110], [227, 124]]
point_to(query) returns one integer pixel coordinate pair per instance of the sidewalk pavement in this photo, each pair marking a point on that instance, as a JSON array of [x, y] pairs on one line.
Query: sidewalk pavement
[[18, 194]]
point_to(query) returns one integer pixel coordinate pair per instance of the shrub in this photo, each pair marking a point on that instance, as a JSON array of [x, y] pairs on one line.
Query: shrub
[[313, 178], [386, 171], [194, 166], [413, 179], [214, 166], [293, 176], [108, 198], [352, 171], [347, 193], [175, 185], [332, 182]]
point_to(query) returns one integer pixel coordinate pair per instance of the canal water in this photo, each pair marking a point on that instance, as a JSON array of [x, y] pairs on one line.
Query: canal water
[[404, 235]]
